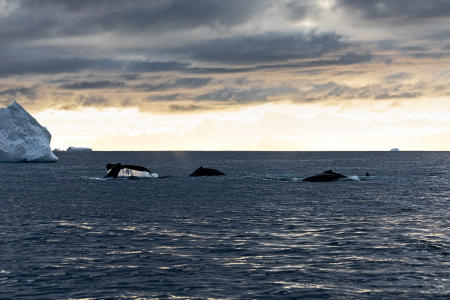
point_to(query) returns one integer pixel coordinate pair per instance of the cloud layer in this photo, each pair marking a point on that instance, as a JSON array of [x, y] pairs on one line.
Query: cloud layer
[[186, 56]]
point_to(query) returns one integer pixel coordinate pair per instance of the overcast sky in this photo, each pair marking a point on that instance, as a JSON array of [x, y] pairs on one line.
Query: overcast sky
[[184, 67]]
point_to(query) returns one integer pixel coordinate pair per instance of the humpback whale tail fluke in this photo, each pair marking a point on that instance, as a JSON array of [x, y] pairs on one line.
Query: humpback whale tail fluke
[[206, 172], [325, 176], [119, 170]]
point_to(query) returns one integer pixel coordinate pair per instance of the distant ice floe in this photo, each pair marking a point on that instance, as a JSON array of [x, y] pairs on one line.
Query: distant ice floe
[[22, 138], [78, 149], [395, 149]]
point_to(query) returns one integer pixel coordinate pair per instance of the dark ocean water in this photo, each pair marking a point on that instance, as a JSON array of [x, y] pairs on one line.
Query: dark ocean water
[[258, 232]]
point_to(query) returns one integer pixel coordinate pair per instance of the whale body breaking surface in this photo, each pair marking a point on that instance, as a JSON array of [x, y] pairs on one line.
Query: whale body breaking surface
[[22, 138], [128, 171], [325, 177], [206, 172]]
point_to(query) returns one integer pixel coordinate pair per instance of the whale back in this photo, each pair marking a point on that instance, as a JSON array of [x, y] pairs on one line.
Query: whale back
[[114, 169], [206, 172], [325, 176]]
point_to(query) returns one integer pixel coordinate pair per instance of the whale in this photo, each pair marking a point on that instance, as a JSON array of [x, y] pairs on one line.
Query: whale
[[325, 177], [119, 170], [206, 172]]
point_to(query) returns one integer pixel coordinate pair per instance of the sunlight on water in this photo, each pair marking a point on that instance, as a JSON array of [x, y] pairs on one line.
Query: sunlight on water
[[247, 235], [72, 224]]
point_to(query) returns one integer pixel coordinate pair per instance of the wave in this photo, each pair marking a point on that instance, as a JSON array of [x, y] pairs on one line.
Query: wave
[[282, 178], [94, 178], [129, 177]]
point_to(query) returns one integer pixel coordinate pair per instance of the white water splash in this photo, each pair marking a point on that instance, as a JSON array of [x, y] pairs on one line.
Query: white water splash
[[135, 173]]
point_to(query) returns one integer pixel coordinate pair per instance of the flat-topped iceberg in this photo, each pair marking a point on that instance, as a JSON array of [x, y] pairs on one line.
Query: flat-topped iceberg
[[22, 138]]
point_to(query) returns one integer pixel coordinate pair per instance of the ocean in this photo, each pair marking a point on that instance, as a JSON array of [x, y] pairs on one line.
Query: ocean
[[257, 233]]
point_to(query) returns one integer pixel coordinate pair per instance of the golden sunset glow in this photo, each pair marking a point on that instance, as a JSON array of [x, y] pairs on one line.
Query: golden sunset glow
[[411, 125]]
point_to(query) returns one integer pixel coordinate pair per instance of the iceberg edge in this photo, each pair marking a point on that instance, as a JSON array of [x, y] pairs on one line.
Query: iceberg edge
[[22, 138]]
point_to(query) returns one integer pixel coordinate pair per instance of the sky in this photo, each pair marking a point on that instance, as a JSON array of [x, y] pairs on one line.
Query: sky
[[231, 75]]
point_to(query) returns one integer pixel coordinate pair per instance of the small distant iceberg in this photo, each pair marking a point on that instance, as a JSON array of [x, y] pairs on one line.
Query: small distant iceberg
[[79, 149], [395, 149], [22, 138]]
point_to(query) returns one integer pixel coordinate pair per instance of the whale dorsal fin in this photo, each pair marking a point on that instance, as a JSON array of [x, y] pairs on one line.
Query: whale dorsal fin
[[329, 172]]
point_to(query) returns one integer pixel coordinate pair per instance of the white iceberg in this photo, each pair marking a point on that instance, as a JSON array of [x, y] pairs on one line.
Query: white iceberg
[[22, 138]]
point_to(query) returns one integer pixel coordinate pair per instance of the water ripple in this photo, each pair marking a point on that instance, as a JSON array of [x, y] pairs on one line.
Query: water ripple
[[250, 235]]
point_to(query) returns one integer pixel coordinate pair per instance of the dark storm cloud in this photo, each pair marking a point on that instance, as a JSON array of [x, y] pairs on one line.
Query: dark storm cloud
[[399, 10], [405, 95], [425, 49], [331, 90], [335, 91], [438, 36], [342, 60], [349, 58], [19, 66], [92, 101], [48, 20], [57, 65], [186, 108], [29, 92], [187, 82], [52, 18], [442, 89], [92, 85], [47, 66], [413, 48], [298, 10], [433, 55], [152, 66], [254, 94], [130, 77], [169, 97], [84, 101], [269, 47], [316, 92], [226, 52], [398, 76], [229, 95]]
